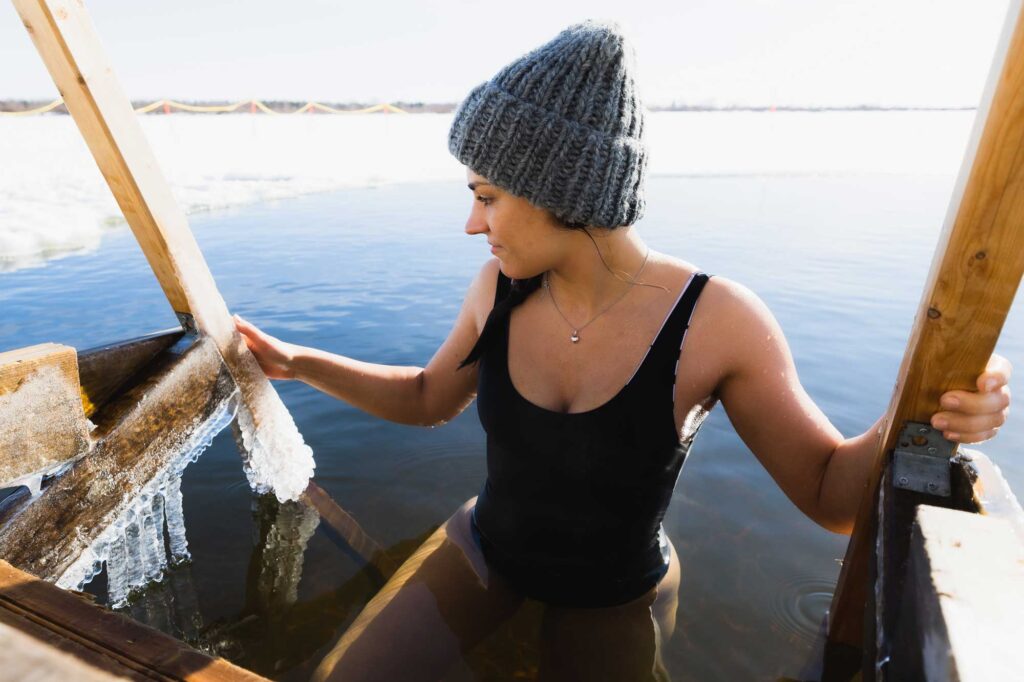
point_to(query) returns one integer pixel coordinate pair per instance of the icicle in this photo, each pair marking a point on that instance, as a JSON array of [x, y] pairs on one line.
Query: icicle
[[133, 545], [175, 521], [153, 552], [117, 577], [134, 568]]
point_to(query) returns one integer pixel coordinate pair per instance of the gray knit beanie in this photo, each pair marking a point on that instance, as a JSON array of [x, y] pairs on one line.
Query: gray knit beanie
[[563, 127]]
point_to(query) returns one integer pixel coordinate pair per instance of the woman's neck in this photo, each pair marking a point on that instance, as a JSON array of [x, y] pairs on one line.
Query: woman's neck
[[584, 283]]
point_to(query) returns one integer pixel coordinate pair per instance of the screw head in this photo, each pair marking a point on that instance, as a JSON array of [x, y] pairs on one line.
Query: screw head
[[922, 429], [932, 450], [932, 487], [904, 480]]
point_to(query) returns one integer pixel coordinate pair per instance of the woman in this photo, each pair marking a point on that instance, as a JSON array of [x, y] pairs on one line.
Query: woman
[[594, 361]]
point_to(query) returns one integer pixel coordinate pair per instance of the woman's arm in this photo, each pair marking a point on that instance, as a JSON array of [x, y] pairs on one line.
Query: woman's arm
[[820, 471], [407, 395]]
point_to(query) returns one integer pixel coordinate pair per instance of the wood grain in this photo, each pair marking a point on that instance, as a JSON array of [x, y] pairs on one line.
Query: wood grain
[[41, 419], [140, 651]]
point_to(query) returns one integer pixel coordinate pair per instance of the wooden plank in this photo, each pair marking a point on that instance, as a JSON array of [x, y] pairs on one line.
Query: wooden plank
[[139, 648], [341, 523], [67, 42], [104, 370], [139, 434], [974, 276], [41, 418], [963, 600], [42, 656]]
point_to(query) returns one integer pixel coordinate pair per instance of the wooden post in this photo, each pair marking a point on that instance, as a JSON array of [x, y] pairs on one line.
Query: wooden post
[[962, 601], [65, 38], [41, 419], [974, 276]]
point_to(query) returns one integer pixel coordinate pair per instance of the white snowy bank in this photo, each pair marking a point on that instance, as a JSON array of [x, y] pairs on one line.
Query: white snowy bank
[[53, 200]]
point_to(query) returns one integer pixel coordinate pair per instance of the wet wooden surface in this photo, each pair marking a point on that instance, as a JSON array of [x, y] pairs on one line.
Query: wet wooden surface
[[975, 273], [105, 643], [105, 370], [41, 418], [138, 434]]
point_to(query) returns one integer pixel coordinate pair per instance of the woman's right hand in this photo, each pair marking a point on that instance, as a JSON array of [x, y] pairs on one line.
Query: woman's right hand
[[274, 355]]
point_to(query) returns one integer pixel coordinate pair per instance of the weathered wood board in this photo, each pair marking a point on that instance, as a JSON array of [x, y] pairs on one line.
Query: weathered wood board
[[41, 420], [963, 600], [104, 370], [98, 639]]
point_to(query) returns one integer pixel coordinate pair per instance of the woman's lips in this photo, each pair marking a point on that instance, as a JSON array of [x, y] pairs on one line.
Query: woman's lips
[[494, 248]]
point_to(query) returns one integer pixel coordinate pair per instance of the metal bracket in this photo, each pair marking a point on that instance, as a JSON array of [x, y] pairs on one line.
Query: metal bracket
[[188, 323], [921, 460]]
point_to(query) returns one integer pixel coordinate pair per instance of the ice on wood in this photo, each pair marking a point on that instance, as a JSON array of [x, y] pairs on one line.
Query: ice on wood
[[283, 549], [276, 458], [41, 427], [133, 546]]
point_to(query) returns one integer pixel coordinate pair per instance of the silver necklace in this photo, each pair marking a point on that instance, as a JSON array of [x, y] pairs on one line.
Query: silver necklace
[[575, 336]]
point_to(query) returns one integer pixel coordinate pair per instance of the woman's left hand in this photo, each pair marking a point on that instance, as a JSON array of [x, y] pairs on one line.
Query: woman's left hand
[[975, 416]]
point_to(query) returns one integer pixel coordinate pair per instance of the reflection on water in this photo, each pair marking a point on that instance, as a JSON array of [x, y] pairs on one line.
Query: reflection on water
[[379, 274]]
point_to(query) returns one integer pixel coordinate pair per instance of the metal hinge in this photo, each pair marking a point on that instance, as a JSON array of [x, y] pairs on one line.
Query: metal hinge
[[188, 323], [921, 459]]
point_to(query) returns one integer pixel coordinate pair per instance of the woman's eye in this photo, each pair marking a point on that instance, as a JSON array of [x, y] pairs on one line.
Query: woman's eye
[[484, 200]]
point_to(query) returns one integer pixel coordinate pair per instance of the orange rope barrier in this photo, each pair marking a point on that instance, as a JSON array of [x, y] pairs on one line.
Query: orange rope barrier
[[254, 104]]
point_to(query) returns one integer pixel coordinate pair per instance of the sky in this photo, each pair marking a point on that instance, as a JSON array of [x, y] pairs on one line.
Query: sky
[[698, 52]]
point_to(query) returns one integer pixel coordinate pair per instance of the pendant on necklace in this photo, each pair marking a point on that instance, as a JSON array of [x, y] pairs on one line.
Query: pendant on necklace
[[575, 336]]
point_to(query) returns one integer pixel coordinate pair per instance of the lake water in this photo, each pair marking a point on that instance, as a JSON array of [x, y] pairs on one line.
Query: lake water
[[379, 274]]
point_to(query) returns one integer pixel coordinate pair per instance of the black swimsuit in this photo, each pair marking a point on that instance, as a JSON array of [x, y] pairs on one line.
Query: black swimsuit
[[571, 510]]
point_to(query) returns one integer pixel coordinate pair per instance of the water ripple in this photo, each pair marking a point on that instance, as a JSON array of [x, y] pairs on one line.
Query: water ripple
[[798, 607]]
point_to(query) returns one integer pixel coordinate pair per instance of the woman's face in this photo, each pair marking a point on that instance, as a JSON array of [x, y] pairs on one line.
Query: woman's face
[[525, 238]]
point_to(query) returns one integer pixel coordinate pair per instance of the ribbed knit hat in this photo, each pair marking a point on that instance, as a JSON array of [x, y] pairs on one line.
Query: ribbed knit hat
[[562, 126]]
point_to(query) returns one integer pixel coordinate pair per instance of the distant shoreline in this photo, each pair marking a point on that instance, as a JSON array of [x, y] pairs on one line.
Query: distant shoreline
[[291, 106]]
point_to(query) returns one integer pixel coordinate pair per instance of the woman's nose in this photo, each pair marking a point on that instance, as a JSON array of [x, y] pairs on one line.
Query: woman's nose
[[476, 223]]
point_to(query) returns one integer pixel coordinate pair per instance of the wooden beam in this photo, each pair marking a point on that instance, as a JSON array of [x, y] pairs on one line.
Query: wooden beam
[[974, 276], [138, 436], [67, 42], [42, 656], [104, 370], [348, 530], [41, 420], [94, 634], [963, 600]]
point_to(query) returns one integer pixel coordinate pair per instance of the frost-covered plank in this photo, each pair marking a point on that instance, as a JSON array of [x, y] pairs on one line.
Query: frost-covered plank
[[79, 627], [146, 430], [964, 597], [276, 457], [41, 420]]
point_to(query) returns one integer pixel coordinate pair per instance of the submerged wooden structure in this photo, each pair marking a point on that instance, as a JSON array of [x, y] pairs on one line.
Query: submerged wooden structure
[[933, 579]]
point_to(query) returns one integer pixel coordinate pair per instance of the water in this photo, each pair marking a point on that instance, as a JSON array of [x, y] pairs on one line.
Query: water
[[379, 274]]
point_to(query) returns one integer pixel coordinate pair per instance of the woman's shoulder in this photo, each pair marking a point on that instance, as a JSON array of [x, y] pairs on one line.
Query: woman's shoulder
[[480, 297], [722, 301]]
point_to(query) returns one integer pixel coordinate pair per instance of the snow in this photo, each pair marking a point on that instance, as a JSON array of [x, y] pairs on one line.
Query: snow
[[53, 200]]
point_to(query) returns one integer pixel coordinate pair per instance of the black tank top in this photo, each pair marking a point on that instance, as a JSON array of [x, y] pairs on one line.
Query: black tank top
[[571, 510]]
